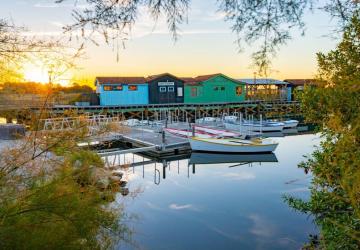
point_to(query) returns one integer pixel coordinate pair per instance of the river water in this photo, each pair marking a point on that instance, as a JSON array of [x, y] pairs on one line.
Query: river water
[[221, 201]]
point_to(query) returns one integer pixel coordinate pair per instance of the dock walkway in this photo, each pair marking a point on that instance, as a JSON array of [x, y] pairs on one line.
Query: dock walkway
[[137, 140]]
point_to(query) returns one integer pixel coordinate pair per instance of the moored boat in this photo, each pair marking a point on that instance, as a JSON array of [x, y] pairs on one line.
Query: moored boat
[[226, 145], [207, 120], [255, 127], [291, 123], [203, 132]]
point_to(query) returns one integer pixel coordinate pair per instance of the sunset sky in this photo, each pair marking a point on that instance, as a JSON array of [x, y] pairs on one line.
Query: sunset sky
[[205, 46]]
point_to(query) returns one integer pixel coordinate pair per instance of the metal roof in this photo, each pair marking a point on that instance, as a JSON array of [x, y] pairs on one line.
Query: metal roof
[[200, 79], [262, 81], [120, 80]]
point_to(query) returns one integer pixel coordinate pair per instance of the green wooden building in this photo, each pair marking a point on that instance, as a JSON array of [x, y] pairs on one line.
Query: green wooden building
[[213, 88]]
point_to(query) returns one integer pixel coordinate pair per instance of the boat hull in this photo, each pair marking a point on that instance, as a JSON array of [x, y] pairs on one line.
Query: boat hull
[[226, 146], [254, 127], [291, 124]]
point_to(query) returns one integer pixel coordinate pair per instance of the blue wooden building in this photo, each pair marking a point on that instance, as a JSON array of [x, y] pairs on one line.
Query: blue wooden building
[[115, 91]]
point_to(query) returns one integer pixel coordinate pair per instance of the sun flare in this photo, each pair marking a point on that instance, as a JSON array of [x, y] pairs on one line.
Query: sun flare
[[33, 73], [36, 73]]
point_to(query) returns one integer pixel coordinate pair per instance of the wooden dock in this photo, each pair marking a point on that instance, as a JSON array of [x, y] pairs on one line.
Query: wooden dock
[[178, 111], [138, 140]]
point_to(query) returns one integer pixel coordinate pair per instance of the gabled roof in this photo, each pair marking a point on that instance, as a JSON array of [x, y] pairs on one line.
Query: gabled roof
[[199, 79], [189, 81], [302, 82], [120, 80], [262, 81], [154, 77], [206, 77]]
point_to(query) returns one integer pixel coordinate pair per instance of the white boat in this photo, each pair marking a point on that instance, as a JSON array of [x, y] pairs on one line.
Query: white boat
[[230, 118], [207, 120], [232, 145], [131, 122], [291, 123], [255, 127], [203, 132]]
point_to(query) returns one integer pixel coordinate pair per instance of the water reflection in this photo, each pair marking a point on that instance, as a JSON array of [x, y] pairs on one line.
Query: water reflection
[[208, 158], [163, 165], [215, 201]]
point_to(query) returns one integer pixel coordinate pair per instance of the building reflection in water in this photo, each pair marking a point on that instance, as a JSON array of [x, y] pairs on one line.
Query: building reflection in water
[[130, 162]]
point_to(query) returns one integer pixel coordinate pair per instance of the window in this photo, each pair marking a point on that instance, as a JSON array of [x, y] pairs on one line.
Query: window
[[171, 89], [222, 88], [107, 88], [238, 90], [194, 92], [179, 91], [133, 88], [162, 89], [216, 88], [117, 88], [113, 88]]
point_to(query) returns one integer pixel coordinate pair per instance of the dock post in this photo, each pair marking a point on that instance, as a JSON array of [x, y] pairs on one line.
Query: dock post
[[163, 139], [166, 122], [164, 169], [193, 130], [241, 117], [193, 168], [143, 170]]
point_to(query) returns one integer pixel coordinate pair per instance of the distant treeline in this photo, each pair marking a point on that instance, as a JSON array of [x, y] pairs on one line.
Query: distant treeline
[[40, 88]]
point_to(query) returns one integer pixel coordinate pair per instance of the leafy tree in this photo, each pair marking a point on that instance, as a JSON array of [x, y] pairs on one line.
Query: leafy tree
[[268, 22], [55, 195], [335, 107], [53, 55]]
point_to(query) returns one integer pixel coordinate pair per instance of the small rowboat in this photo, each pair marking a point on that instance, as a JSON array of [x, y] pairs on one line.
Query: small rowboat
[[256, 127], [291, 123], [287, 123], [232, 145], [207, 120], [203, 132]]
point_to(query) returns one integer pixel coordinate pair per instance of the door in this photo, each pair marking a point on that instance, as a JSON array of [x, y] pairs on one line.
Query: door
[[167, 92]]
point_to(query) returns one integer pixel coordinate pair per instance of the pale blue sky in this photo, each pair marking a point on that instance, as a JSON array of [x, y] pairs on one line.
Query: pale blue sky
[[206, 44]]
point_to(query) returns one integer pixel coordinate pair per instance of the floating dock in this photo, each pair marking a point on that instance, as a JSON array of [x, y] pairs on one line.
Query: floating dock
[[146, 141]]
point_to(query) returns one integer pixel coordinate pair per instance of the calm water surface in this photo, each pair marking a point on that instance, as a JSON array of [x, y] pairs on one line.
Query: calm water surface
[[233, 205]]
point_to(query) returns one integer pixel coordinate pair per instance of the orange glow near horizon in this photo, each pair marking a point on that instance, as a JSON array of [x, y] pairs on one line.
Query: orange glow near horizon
[[33, 73], [36, 73]]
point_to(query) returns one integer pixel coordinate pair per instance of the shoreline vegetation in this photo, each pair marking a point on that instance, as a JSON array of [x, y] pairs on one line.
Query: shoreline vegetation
[[50, 196], [57, 195], [335, 107]]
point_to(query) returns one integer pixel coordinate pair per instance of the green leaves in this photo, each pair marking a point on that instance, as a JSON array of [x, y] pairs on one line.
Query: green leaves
[[50, 197], [334, 106]]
